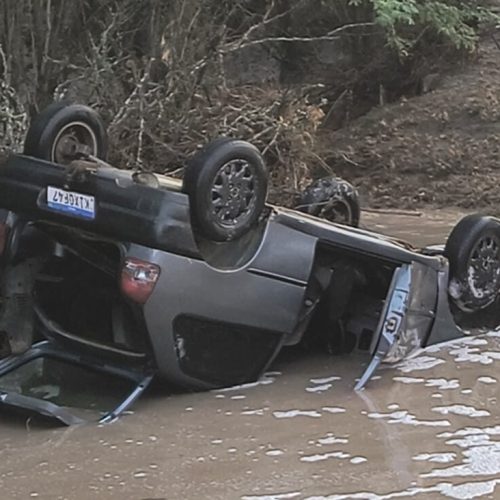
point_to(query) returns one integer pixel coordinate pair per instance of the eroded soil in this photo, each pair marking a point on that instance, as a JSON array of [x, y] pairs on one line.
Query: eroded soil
[[426, 429], [440, 148]]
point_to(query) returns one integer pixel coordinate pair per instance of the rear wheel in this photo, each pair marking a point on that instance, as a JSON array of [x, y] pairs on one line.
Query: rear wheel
[[64, 132], [332, 199], [227, 186], [473, 250]]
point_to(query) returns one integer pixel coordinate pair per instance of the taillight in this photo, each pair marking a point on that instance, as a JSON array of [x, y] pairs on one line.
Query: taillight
[[138, 279]]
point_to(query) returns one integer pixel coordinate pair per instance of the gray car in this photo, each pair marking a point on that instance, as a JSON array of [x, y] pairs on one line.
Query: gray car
[[111, 278]]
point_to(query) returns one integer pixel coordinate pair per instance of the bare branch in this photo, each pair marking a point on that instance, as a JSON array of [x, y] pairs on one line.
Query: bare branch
[[330, 36]]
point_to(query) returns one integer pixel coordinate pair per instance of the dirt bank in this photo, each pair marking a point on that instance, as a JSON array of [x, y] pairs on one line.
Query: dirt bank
[[440, 148]]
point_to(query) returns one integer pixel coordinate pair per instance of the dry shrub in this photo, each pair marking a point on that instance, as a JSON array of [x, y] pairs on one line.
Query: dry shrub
[[13, 119], [156, 70], [158, 77], [157, 135]]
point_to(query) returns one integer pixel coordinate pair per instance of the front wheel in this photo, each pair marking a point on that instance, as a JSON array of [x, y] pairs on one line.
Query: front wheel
[[473, 251], [332, 199]]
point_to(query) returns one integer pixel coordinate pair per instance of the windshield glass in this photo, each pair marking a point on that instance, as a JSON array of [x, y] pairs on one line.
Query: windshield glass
[[86, 392]]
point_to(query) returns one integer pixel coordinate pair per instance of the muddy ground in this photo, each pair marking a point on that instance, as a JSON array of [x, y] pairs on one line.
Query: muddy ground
[[427, 429], [441, 148]]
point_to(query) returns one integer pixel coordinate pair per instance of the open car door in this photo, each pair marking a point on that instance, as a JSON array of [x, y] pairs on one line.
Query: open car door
[[416, 314]]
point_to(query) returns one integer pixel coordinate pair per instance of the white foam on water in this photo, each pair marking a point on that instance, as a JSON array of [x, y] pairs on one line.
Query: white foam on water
[[441, 458], [319, 388], [257, 411], [464, 491], [266, 379], [443, 384], [474, 355], [467, 411], [419, 363], [470, 431], [474, 341], [409, 380], [471, 340], [274, 453], [333, 409], [333, 440], [487, 380], [325, 456], [406, 418], [358, 460], [478, 461], [325, 380], [273, 496], [297, 413], [481, 454], [238, 396]]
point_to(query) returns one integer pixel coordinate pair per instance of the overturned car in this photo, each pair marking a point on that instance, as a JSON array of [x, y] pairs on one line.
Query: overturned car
[[132, 275]]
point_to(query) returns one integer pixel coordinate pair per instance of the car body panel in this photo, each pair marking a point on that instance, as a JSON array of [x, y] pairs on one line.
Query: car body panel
[[125, 210], [355, 240], [219, 313], [249, 298]]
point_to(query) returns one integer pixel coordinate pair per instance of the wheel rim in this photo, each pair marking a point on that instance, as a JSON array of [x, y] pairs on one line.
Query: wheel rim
[[233, 193], [337, 211], [74, 140], [483, 270]]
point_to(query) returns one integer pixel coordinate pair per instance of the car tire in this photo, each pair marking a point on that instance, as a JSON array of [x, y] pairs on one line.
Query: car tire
[[473, 251], [227, 186], [63, 132], [332, 199]]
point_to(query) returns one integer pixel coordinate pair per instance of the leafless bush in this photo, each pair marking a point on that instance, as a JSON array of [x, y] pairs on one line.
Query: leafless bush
[[156, 69], [157, 75], [13, 116]]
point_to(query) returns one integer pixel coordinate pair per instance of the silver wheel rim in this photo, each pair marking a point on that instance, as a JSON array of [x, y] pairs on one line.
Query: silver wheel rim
[[233, 193], [483, 270], [337, 211], [74, 140]]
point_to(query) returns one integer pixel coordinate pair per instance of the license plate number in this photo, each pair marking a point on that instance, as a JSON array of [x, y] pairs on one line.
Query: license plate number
[[69, 202]]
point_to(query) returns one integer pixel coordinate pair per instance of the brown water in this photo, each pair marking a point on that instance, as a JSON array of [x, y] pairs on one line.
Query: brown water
[[429, 428]]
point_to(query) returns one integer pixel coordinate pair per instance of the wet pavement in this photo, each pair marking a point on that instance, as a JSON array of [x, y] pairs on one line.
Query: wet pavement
[[428, 429]]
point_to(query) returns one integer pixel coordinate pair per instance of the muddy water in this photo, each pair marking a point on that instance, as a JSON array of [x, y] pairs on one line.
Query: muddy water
[[429, 428]]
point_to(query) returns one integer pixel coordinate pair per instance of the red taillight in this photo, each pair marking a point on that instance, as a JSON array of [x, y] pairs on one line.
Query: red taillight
[[139, 279]]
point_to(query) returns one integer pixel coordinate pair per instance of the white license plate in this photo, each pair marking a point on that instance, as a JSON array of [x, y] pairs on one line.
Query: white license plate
[[69, 202]]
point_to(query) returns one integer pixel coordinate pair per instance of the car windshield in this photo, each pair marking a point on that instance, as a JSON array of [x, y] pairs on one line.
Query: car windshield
[[87, 393]]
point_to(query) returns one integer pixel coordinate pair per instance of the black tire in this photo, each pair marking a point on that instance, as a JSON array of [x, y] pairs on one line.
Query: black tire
[[473, 251], [227, 186], [332, 199], [63, 132]]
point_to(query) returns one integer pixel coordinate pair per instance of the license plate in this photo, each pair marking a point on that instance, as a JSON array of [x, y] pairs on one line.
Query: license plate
[[69, 202]]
